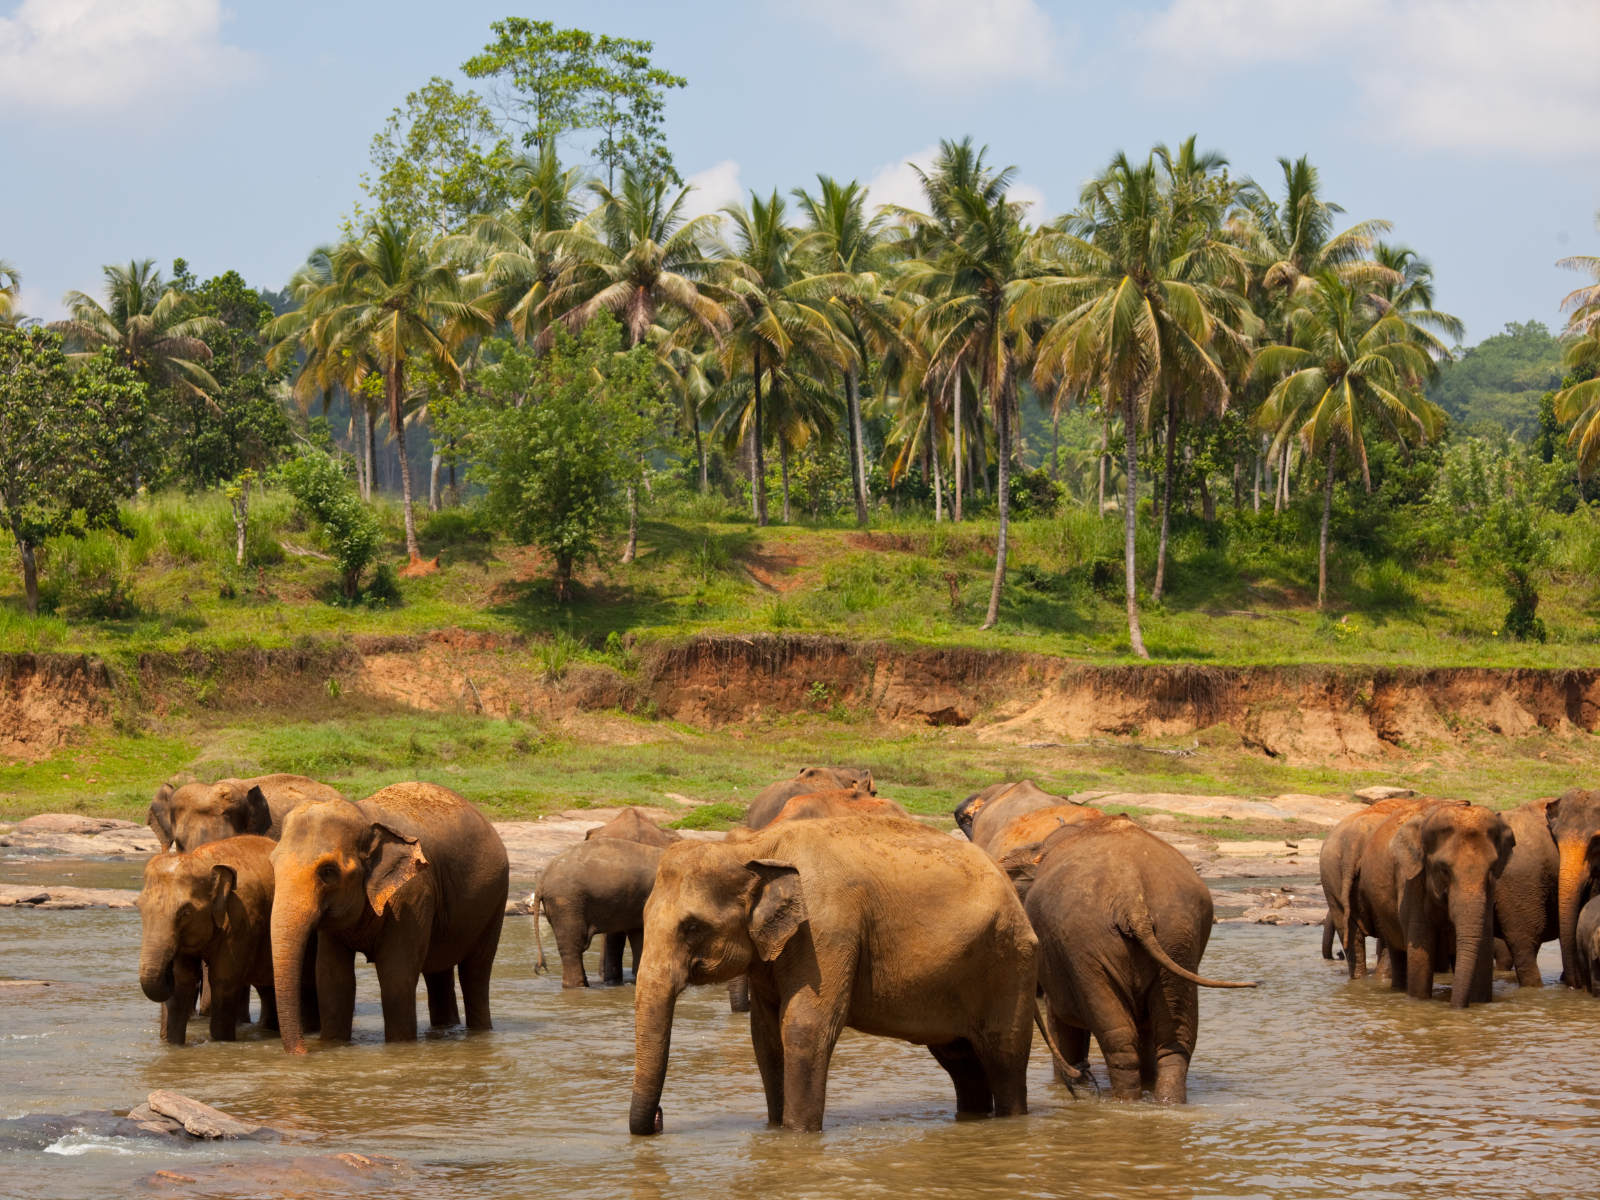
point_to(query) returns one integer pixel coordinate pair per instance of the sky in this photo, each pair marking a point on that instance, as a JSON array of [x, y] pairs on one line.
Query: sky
[[234, 135]]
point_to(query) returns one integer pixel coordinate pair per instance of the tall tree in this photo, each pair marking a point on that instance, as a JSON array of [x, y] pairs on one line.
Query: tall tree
[[1347, 365]]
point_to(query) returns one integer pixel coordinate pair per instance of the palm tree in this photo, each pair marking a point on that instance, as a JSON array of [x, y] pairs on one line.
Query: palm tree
[[850, 256], [1580, 403], [1139, 310], [1348, 363], [10, 290], [149, 328], [636, 256], [780, 330], [386, 295]]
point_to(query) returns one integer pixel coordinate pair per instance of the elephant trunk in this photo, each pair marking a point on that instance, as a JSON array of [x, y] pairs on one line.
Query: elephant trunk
[[1472, 915], [292, 926], [1570, 885], [156, 977], [656, 998]]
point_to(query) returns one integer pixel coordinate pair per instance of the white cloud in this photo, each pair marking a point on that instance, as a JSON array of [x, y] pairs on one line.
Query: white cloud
[[898, 183], [1026, 193], [85, 55], [713, 188], [948, 43], [1448, 74]]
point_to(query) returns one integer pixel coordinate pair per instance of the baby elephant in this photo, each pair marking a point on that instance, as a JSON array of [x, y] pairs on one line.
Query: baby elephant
[[1589, 943], [598, 886], [213, 906]]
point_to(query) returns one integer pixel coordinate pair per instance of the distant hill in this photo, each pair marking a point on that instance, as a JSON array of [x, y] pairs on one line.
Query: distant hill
[[1501, 379]]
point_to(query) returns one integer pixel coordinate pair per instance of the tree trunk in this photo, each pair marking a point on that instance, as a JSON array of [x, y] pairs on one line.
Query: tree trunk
[[758, 466], [1327, 513], [1105, 453], [1208, 505], [955, 457], [1238, 484], [632, 548], [783, 470], [1129, 527], [938, 477], [455, 492], [397, 380], [700, 455], [30, 568], [241, 518], [858, 453], [1055, 445], [433, 482], [1255, 496], [1166, 501], [1002, 411], [372, 451]]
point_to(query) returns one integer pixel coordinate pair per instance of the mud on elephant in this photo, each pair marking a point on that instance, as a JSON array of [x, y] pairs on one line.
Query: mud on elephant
[[413, 877], [927, 943]]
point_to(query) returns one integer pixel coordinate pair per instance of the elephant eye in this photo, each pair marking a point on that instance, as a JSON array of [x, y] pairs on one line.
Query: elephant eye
[[693, 926], [328, 872]]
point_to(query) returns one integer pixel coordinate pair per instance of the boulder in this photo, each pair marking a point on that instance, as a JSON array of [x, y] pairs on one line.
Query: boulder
[[73, 823], [201, 1120]]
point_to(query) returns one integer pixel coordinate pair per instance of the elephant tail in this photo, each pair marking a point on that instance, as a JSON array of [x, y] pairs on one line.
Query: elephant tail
[[1143, 930], [1068, 1073], [538, 931], [1327, 936]]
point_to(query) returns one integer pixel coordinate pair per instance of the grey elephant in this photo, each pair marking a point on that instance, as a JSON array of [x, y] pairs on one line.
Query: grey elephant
[[187, 817], [1587, 936], [596, 887], [985, 815], [630, 825], [211, 906], [770, 800]]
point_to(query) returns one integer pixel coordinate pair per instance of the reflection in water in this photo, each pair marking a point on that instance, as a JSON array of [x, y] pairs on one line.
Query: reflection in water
[[1312, 1086]]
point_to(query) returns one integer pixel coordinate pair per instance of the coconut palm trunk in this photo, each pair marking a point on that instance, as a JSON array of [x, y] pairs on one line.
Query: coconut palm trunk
[[1002, 413], [1130, 525], [1327, 513], [700, 455], [1166, 500], [955, 456], [783, 467], [371, 450], [758, 464], [858, 454], [397, 422], [632, 549]]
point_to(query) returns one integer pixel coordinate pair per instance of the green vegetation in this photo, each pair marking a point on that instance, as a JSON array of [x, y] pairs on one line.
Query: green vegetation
[[1499, 381]]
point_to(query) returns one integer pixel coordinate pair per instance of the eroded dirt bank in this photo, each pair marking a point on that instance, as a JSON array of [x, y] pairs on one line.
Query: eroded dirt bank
[[1300, 714]]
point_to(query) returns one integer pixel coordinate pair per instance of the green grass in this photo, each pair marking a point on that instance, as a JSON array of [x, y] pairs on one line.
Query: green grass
[[163, 590]]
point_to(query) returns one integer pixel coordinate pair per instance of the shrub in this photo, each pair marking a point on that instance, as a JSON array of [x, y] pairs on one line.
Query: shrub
[[352, 530]]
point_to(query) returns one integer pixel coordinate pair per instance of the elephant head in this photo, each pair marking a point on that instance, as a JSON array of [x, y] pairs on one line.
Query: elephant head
[[1454, 853], [333, 869], [841, 777], [712, 913], [183, 904], [1574, 820], [197, 814]]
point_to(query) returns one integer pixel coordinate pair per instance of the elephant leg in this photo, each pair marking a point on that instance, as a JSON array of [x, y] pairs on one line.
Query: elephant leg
[[572, 942], [226, 1000], [1418, 972], [767, 1041], [1385, 961], [203, 1007], [1502, 955], [179, 1008], [475, 970], [739, 994], [442, 1010], [611, 957], [269, 1008], [1174, 1025], [810, 1028], [336, 989], [1147, 1054], [398, 957], [1109, 1011], [636, 944], [1071, 1040], [960, 1061]]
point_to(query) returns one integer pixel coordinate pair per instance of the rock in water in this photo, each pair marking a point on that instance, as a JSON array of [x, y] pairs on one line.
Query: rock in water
[[201, 1120]]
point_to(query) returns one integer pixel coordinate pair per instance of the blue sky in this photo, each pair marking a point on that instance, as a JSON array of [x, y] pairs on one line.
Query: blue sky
[[235, 135]]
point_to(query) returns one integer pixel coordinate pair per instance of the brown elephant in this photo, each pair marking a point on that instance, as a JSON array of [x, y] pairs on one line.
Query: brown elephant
[[630, 825], [1038, 825], [596, 887], [1588, 938], [818, 806], [1426, 883], [210, 906], [888, 927], [1526, 909], [413, 877], [770, 800], [1574, 822], [984, 815], [187, 817], [1122, 921], [1339, 864]]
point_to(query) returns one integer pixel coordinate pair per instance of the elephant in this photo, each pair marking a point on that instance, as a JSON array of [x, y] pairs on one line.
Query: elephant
[[1588, 938], [983, 815], [630, 826], [1038, 825], [1426, 882], [888, 927], [413, 877], [213, 906], [816, 806], [187, 817], [1097, 892], [770, 800], [1339, 863], [1574, 822], [1526, 908], [596, 887]]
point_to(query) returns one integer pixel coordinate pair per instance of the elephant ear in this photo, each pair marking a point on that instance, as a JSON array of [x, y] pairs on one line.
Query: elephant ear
[[1021, 866], [224, 881], [1507, 843], [393, 860], [259, 815], [1407, 847], [779, 908], [160, 816]]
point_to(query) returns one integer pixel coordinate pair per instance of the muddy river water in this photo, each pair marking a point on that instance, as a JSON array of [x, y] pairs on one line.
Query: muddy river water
[[1311, 1086]]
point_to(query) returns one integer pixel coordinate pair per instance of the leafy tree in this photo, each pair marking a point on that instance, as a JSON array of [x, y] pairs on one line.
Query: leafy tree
[[554, 82], [1508, 543], [71, 443], [556, 439], [151, 329], [1501, 379], [439, 161], [351, 529]]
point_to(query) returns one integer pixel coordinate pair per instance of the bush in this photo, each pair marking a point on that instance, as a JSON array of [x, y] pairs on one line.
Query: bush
[[1510, 545], [456, 527], [1035, 494], [352, 530]]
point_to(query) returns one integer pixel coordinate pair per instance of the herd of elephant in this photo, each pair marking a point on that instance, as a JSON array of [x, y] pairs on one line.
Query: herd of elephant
[[1444, 885], [830, 907]]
